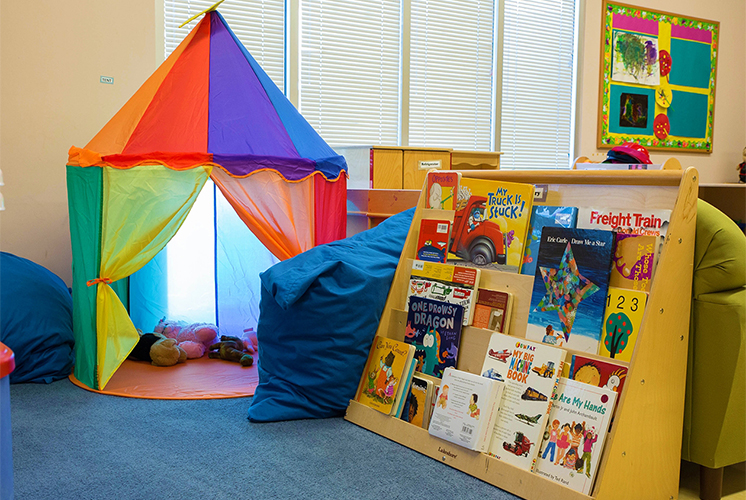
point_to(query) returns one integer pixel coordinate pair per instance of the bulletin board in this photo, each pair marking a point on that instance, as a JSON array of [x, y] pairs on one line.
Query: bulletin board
[[657, 79]]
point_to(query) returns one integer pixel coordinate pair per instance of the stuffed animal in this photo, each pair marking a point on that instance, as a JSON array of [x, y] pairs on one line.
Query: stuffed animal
[[165, 352], [141, 352], [188, 336], [193, 349], [231, 349]]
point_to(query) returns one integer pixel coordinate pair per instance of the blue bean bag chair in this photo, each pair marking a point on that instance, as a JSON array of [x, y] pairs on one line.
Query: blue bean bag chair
[[318, 314], [36, 320]]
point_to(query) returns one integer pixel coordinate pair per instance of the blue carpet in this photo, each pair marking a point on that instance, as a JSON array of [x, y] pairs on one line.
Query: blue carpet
[[69, 443]]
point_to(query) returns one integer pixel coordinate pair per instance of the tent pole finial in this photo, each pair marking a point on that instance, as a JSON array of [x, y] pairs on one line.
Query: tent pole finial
[[213, 7]]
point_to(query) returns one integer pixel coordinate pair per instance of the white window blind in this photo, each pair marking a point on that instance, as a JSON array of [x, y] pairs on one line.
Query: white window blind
[[349, 70], [537, 83], [451, 87], [258, 24]]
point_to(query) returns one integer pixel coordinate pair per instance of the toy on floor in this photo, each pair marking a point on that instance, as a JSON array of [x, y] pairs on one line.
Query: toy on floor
[[194, 338], [159, 350], [231, 349]]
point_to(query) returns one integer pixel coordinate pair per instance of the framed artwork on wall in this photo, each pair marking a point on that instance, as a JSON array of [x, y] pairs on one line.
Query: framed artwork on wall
[[657, 84]]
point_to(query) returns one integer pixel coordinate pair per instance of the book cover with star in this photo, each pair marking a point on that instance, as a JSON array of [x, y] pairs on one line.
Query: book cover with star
[[570, 285]]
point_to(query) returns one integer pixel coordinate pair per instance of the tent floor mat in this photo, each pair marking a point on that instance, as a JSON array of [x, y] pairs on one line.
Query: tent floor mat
[[201, 378]]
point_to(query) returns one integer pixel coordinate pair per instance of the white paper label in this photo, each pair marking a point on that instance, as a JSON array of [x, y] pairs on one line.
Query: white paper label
[[428, 164], [107, 79]]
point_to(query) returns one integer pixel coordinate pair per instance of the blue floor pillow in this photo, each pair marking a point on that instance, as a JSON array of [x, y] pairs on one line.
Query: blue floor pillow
[[318, 314], [36, 320]]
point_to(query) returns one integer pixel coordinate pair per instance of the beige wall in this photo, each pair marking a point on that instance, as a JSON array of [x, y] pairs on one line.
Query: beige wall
[[53, 53], [729, 133]]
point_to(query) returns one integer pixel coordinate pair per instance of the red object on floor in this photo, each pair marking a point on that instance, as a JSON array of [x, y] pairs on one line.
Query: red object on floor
[[201, 378]]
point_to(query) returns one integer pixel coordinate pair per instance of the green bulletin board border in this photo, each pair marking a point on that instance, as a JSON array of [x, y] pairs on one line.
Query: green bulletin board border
[[607, 140]]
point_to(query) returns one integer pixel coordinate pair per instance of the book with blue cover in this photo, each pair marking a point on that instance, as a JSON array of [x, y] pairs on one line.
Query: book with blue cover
[[570, 287], [542, 216], [434, 328]]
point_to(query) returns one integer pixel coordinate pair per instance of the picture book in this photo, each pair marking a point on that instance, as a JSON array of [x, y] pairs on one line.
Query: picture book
[[402, 391], [445, 283], [601, 373], [530, 371], [434, 329], [492, 310], [442, 186], [491, 223], [417, 407], [432, 243], [622, 320], [436, 389], [623, 220], [575, 433], [542, 216], [385, 374], [634, 261], [465, 409], [570, 285]]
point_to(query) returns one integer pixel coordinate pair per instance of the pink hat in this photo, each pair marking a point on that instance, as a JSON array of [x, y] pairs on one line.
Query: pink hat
[[634, 150]]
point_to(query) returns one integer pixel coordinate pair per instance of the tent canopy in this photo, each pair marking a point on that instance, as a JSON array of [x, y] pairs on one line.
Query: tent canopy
[[209, 111]]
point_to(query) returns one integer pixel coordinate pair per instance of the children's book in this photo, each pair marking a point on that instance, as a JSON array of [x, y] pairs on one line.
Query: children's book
[[436, 389], [542, 216], [575, 434], [601, 373], [492, 310], [432, 243], [385, 374], [569, 294], [465, 409], [434, 329], [402, 391], [634, 261], [445, 283], [623, 220], [491, 223], [417, 408], [442, 186], [622, 320], [530, 371]]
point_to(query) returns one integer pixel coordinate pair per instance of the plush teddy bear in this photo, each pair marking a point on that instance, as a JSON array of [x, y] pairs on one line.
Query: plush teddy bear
[[165, 352], [231, 349]]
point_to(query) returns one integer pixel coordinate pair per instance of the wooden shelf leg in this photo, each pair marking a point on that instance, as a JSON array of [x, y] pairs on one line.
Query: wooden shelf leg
[[710, 483]]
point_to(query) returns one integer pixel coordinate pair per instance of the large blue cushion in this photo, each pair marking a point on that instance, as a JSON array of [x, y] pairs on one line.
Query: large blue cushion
[[36, 320], [318, 315]]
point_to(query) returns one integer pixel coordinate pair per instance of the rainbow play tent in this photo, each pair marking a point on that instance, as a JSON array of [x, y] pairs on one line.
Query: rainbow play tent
[[209, 111]]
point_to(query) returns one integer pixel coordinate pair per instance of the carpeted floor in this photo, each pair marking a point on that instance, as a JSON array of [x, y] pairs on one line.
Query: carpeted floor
[[69, 443]]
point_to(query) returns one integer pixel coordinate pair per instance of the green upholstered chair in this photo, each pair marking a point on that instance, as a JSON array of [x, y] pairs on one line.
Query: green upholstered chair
[[715, 407]]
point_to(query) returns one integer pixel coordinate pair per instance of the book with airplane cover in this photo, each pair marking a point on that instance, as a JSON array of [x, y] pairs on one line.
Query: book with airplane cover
[[442, 186], [492, 310], [634, 261], [386, 374], [491, 223], [622, 320], [418, 405], [434, 329], [569, 293], [575, 433], [530, 371], [445, 283], [542, 216], [432, 243], [465, 409]]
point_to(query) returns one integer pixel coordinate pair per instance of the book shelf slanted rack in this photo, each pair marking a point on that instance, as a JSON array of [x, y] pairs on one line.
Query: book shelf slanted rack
[[642, 452]]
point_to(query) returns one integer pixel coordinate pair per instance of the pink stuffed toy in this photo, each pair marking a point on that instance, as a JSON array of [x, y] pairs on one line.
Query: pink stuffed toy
[[193, 349], [204, 333], [194, 338], [169, 328]]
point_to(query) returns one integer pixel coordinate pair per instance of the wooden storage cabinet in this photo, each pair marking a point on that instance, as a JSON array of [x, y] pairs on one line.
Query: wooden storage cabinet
[[384, 167], [642, 453], [475, 160], [416, 163]]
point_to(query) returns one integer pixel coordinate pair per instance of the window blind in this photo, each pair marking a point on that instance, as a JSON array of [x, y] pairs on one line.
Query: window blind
[[537, 83], [258, 24], [451, 87], [349, 70]]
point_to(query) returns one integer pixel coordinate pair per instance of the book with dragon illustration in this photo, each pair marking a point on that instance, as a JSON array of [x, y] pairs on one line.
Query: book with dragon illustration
[[386, 374], [570, 285], [442, 186], [434, 328], [490, 224], [542, 216], [622, 320], [530, 371], [575, 433], [445, 283]]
